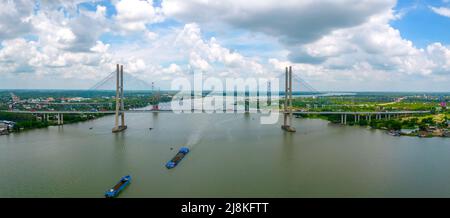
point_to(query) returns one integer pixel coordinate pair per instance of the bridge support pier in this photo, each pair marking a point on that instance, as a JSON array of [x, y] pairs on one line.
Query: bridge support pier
[[288, 102], [247, 104], [343, 119], [60, 119], [119, 102]]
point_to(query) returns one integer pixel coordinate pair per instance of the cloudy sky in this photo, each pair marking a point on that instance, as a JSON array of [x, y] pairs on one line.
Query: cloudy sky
[[335, 45]]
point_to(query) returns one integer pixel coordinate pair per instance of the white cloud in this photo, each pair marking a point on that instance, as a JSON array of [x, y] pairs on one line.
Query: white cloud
[[441, 57], [62, 45], [21, 56], [330, 43], [74, 33], [374, 44], [18, 55], [134, 15], [100, 47], [205, 53], [15, 18], [441, 11], [292, 21], [181, 51]]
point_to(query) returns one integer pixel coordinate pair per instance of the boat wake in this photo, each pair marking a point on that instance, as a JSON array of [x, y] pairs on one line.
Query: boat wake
[[197, 135], [195, 138]]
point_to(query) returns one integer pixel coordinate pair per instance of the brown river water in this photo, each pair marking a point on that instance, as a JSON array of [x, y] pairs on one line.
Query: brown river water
[[232, 155]]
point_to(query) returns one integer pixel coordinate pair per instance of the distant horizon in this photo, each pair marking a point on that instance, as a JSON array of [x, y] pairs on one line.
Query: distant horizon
[[168, 90]]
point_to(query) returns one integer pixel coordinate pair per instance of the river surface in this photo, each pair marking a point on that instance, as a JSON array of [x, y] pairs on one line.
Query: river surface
[[232, 155]]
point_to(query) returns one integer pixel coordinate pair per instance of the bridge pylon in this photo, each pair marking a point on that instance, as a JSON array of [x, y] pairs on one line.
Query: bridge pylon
[[119, 102], [155, 98], [287, 125]]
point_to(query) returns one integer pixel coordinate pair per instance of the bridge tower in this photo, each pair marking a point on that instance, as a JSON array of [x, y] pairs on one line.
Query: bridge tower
[[119, 101], [287, 125], [156, 98]]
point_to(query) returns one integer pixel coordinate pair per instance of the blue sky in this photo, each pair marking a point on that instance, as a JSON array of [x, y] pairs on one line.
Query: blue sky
[[380, 45], [420, 24]]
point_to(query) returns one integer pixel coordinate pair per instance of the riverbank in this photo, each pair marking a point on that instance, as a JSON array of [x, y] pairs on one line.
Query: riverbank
[[427, 126], [25, 122]]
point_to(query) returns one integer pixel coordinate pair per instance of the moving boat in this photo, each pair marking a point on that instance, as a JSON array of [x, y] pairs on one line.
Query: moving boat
[[114, 191], [178, 157]]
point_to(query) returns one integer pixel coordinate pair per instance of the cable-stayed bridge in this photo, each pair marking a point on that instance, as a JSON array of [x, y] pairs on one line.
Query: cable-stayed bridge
[[131, 82], [119, 79]]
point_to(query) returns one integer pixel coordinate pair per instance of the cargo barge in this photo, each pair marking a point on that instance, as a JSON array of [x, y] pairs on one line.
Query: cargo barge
[[114, 191], [178, 157]]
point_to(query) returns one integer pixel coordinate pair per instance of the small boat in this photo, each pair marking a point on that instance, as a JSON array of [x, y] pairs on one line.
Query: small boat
[[114, 191], [394, 133], [178, 157]]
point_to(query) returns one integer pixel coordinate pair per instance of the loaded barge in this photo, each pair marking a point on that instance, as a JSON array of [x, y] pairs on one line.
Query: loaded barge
[[178, 157], [114, 191]]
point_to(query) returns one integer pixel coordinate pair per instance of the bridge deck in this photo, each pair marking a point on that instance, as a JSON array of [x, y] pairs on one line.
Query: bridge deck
[[218, 111]]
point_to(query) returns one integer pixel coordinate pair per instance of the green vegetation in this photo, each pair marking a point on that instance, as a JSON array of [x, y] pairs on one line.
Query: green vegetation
[[30, 121], [434, 123], [36, 100]]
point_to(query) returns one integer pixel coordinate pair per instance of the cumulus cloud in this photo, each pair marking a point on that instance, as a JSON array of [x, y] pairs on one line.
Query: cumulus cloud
[[134, 15], [325, 36], [15, 18], [51, 42], [443, 11], [22, 56], [325, 40], [203, 53], [186, 47], [19, 56], [71, 33], [291, 20], [329, 35], [375, 44]]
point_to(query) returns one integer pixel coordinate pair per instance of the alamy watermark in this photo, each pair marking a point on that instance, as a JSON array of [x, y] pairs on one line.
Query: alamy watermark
[[229, 95]]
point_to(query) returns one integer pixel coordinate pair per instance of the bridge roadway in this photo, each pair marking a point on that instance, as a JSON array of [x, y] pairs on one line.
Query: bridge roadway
[[69, 103], [294, 112]]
